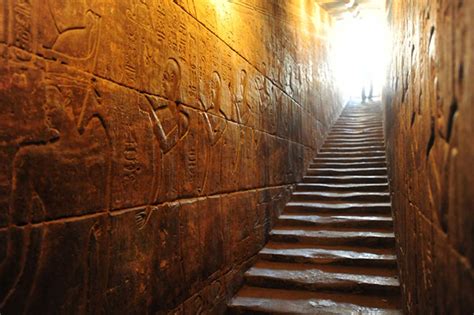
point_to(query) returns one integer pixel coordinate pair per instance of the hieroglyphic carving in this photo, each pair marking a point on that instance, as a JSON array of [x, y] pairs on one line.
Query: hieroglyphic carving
[[22, 27], [193, 86], [3, 22], [130, 65], [139, 13]]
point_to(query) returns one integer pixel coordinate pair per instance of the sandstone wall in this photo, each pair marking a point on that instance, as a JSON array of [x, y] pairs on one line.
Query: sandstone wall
[[146, 146], [430, 130]]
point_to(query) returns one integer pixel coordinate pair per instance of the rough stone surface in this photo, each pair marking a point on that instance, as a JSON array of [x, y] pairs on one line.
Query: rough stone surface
[[146, 147], [430, 130]]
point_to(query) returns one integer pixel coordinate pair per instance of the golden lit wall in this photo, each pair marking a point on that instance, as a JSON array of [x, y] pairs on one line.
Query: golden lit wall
[[146, 146], [430, 118]]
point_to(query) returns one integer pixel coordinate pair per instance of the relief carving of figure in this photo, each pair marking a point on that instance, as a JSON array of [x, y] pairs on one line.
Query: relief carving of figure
[[171, 124], [42, 169], [214, 125], [265, 103], [216, 122], [43, 188], [175, 122], [241, 103]]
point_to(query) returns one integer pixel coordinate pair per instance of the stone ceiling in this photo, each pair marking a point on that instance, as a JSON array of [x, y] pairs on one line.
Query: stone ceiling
[[341, 9]]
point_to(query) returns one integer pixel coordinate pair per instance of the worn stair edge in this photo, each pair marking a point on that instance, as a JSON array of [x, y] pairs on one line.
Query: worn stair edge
[[298, 276], [309, 254], [346, 171], [355, 179], [377, 187], [278, 301], [340, 196], [334, 238], [335, 221]]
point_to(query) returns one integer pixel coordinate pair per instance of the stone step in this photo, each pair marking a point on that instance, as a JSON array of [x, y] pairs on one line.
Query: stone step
[[348, 112], [342, 165], [348, 140], [328, 255], [346, 171], [368, 119], [337, 135], [353, 138], [356, 159], [341, 187], [333, 238], [357, 130], [297, 276], [372, 118], [354, 179], [340, 196], [354, 135], [361, 124], [335, 221], [254, 300], [337, 143], [337, 208], [378, 153], [341, 148]]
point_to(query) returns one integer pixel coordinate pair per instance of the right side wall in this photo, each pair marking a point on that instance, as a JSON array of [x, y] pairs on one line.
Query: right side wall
[[429, 104]]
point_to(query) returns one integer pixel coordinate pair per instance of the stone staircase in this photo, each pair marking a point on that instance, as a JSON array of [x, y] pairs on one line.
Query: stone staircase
[[332, 250]]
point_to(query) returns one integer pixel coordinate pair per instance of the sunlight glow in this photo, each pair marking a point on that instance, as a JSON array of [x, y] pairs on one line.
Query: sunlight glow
[[361, 50]]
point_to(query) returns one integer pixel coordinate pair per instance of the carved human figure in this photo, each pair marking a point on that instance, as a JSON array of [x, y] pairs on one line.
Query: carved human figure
[[265, 90], [214, 125], [241, 102], [171, 124], [266, 105], [40, 170], [216, 122], [43, 189]]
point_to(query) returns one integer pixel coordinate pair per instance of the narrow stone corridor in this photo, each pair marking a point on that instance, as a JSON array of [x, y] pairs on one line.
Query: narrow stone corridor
[[206, 157], [333, 248]]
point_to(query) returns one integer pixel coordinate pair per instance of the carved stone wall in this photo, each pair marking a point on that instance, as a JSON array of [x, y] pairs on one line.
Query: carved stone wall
[[430, 118], [146, 146]]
